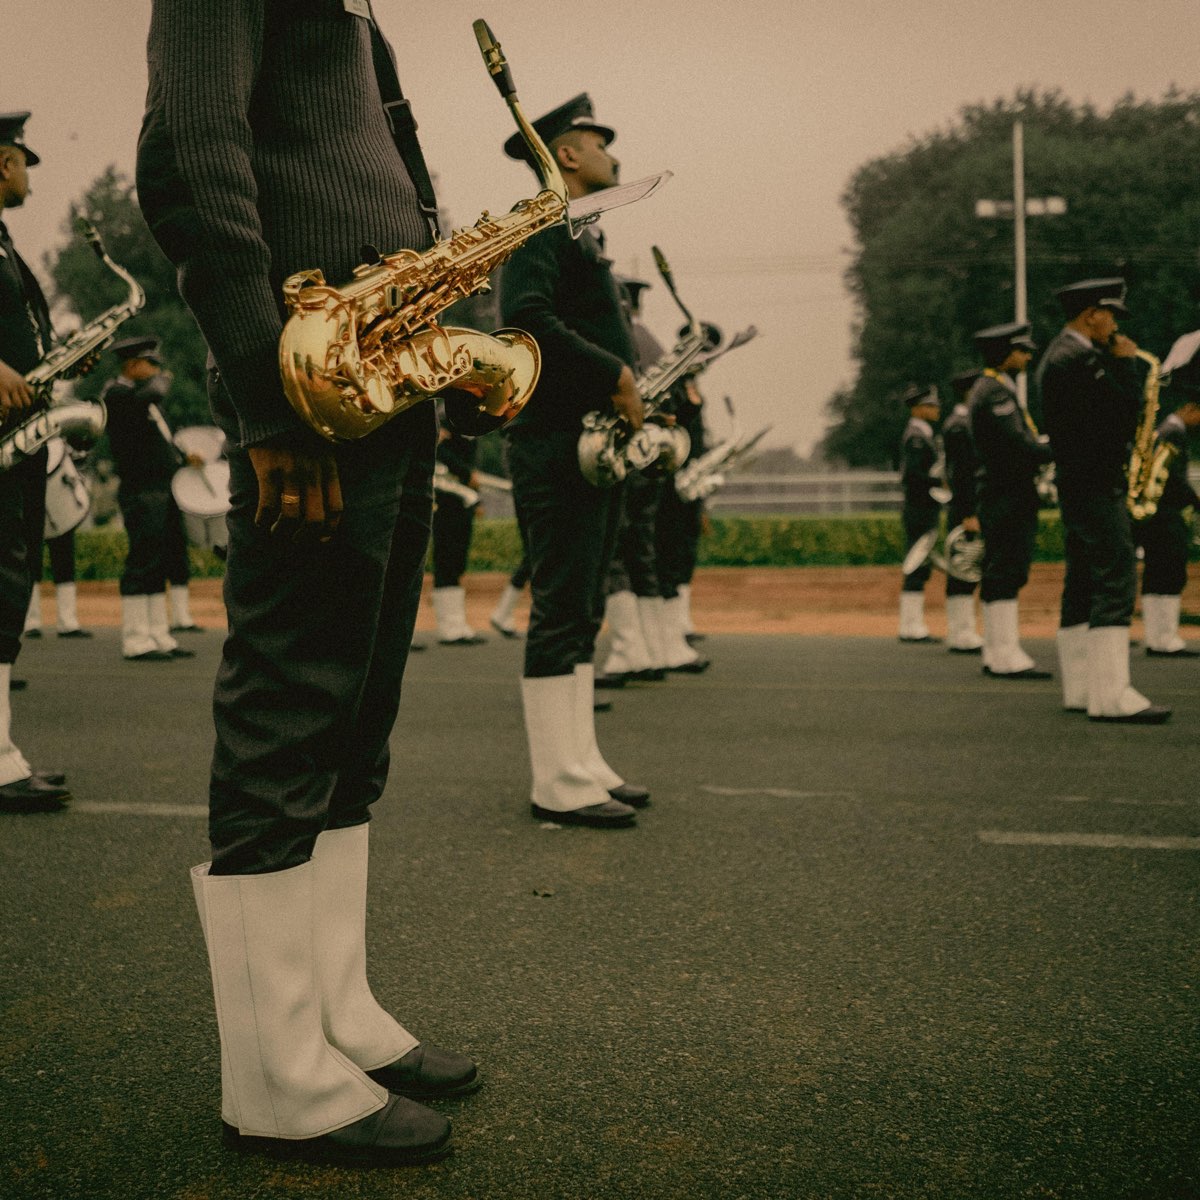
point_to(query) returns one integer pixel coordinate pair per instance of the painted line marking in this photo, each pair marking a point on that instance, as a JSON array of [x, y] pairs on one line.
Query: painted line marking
[[1093, 841], [1125, 800], [778, 793], [140, 810]]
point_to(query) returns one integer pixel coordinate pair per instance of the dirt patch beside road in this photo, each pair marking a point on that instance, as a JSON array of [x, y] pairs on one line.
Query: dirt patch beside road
[[846, 601]]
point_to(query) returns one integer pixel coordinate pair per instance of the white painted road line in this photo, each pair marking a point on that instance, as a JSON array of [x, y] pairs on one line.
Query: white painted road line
[[140, 810], [778, 793], [1092, 841]]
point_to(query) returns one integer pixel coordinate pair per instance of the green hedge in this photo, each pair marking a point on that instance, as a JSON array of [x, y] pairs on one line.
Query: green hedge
[[868, 538]]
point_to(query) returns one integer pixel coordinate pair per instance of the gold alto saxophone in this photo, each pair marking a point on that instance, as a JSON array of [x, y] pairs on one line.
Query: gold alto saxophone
[[1149, 464], [74, 357], [355, 356]]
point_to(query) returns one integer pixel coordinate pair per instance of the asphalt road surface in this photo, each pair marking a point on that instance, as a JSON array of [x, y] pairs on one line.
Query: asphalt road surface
[[890, 929]]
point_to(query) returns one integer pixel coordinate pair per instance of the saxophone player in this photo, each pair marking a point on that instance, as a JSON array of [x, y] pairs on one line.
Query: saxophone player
[[1010, 453], [1091, 397], [276, 140], [1166, 536], [563, 291], [25, 336]]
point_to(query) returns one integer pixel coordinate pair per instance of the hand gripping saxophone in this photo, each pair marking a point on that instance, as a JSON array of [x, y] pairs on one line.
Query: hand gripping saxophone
[[74, 357], [353, 357], [608, 450]]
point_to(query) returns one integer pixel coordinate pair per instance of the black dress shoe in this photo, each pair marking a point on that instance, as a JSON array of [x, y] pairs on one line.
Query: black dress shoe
[[1184, 653], [965, 649], [53, 778], [1154, 715], [631, 794], [601, 706], [180, 652], [32, 633], [416, 648], [695, 667], [401, 1133], [33, 795], [921, 641], [612, 814], [616, 680], [17, 685], [1028, 673], [192, 628], [429, 1073], [149, 656], [474, 639], [649, 675], [75, 633], [693, 638]]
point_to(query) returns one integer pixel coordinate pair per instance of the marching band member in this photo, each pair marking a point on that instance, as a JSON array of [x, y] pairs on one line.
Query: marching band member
[[961, 635], [562, 291], [1091, 399], [145, 459], [1166, 536], [501, 619], [919, 471], [267, 149], [1010, 453], [453, 524], [62, 572], [25, 336]]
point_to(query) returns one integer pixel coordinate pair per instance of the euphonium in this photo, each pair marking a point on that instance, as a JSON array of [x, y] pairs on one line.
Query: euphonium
[[1148, 464], [74, 357], [352, 357]]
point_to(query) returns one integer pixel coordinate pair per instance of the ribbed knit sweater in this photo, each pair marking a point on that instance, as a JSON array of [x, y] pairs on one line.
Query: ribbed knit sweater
[[264, 151]]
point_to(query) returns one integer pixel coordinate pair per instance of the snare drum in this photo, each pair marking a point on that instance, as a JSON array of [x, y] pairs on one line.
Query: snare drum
[[206, 441], [202, 494], [67, 497]]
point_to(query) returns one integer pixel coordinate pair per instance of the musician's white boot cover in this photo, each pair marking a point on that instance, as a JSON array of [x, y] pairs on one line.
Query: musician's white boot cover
[[12, 762], [136, 639], [585, 729], [1160, 616], [1110, 694], [181, 610], [960, 624], [1003, 654], [627, 647], [502, 615], [353, 1020], [650, 611], [675, 644], [912, 617], [685, 594], [280, 1078], [561, 783], [1072, 644], [450, 615], [160, 629], [33, 614], [66, 612]]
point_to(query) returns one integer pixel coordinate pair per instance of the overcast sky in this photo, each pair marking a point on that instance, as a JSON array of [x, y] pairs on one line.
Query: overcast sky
[[761, 108]]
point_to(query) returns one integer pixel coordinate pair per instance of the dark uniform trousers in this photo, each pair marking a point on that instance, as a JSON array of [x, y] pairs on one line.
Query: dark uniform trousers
[[62, 559], [1008, 520], [309, 683], [1167, 540], [22, 517], [452, 527], [918, 518], [569, 528], [1100, 581], [956, 514], [157, 544], [634, 562], [678, 540]]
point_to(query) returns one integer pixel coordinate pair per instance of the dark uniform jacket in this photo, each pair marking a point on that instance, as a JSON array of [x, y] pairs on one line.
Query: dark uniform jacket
[[144, 459], [563, 292], [1090, 404], [960, 463], [1178, 493], [254, 110], [918, 460], [24, 315], [1008, 452]]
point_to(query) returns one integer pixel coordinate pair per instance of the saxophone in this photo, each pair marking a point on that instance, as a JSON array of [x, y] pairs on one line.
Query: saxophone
[[74, 357], [1148, 464], [704, 475], [355, 356]]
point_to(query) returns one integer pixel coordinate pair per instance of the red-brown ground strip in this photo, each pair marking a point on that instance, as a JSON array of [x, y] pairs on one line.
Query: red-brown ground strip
[[839, 601]]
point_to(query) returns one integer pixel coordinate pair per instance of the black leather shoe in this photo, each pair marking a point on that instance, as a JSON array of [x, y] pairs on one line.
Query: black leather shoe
[[180, 652], [474, 639], [601, 706], [401, 1133], [192, 628], [429, 1073], [53, 778], [1154, 715], [1184, 653], [965, 649], [1029, 673], [74, 633], [32, 633], [631, 794], [696, 667], [17, 685], [610, 681], [612, 814], [33, 795], [921, 641], [650, 675], [149, 656], [693, 638], [416, 648]]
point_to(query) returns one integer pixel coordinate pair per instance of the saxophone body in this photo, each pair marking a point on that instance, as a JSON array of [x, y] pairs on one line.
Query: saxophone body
[[704, 475], [74, 357], [1149, 461]]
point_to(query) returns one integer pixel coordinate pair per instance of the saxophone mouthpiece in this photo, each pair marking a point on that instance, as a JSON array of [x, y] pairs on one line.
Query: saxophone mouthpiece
[[494, 59], [660, 261]]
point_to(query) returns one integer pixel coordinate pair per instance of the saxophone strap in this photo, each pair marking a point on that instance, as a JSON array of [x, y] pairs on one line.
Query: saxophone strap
[[1006, 383], [403, 126]]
